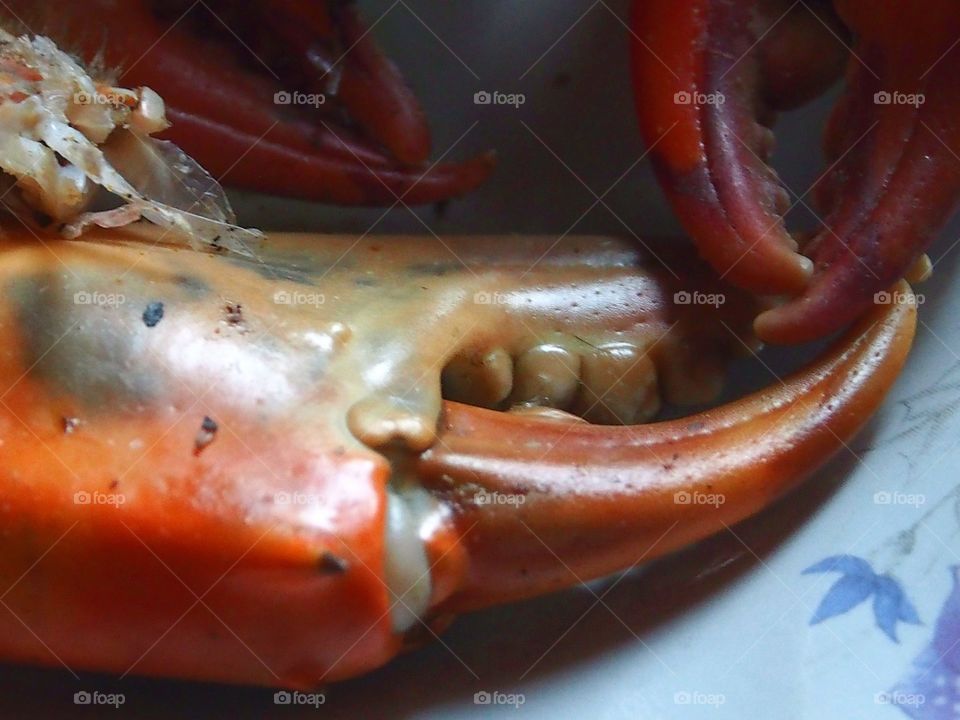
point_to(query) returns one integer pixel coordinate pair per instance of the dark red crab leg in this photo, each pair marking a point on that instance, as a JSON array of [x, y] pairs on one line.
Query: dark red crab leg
[[365, 146], [711, 73], [324, 47], [707, 72], [892, 192], [282, 168]]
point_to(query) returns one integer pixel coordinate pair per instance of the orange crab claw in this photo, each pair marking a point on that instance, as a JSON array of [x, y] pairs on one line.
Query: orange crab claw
[[288, 98], [242, 469], [710, 75], [596, 500]]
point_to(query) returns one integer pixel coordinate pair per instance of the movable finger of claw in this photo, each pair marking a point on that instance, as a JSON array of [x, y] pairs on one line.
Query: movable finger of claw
[[590, 500]]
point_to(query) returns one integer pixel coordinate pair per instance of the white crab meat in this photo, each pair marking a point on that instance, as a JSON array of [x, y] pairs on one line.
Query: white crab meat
[[67, 140]]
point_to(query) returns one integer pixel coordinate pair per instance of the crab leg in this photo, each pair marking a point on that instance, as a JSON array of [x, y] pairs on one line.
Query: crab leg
[[888, 195], [703, 88], [370, 86], [244, 469], [719, 69], [222, 98]]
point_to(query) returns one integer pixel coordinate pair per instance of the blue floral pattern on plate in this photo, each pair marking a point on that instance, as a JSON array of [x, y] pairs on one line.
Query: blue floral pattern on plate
[[930, 689], [858, 582]]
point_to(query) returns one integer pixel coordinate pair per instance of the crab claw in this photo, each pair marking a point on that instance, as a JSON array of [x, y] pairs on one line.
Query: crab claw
[[894, 140], [596, 500], [244, 469], [710, 75], [233, 77]]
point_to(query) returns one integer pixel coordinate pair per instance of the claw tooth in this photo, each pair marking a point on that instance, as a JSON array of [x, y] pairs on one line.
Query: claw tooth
[[777, 196], [619, 385], [692, 378], [921, 270], [547, 374], [781, 201], [479, 378], [766, 142]]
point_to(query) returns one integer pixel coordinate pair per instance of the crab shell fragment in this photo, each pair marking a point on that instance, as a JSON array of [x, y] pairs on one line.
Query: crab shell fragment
[[245, 470]]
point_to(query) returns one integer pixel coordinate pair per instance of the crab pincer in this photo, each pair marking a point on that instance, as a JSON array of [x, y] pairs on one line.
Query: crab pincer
[[273, 459], [271, 483], [710, 77]]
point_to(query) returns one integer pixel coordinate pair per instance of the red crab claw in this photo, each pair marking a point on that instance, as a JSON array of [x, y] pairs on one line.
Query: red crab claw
[[236, 470], [710, 75], [895, 181], [233, 75]]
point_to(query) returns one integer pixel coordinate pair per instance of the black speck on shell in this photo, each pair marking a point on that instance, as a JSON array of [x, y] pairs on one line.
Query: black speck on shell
[[153, 314], [233, 314], [331, 564], [206, 434]]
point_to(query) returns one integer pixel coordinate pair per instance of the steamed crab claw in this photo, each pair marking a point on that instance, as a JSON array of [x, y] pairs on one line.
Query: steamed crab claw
[[244, 469], [893, 142], [288, 98], [711, 74], [597, 500]]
